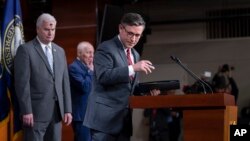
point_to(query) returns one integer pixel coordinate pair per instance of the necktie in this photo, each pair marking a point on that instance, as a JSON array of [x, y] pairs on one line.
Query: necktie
[[129, 61], [49, 55], [129, 57]]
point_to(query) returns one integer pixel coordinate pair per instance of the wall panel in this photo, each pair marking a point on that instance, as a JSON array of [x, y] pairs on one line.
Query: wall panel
[[76, 22]]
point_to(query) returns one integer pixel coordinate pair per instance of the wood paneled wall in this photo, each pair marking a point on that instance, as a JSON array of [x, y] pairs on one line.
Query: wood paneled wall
[[76, 22]]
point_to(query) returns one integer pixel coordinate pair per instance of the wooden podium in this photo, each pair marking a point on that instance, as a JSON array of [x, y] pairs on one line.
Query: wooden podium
[[206, 117]]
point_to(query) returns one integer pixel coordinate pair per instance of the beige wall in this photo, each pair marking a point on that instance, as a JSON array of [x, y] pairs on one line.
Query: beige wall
[[188, 42]]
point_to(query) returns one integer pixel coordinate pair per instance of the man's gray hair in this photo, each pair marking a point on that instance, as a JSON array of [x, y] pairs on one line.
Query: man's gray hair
[[81, 47], [45, 17]]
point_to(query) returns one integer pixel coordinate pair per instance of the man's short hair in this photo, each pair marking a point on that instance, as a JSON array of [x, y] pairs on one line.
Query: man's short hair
[[133, 19]]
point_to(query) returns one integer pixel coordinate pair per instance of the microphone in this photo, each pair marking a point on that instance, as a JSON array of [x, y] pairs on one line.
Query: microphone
[[203, 83], [173, 58]]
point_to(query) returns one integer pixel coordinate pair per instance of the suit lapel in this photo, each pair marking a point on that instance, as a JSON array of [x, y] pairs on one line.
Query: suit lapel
[[136, 59], [124, 58], [82, 66], [40, 51], [121, 50], [56, 58]]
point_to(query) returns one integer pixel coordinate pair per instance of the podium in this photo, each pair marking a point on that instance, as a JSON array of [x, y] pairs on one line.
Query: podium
[[206, 117]]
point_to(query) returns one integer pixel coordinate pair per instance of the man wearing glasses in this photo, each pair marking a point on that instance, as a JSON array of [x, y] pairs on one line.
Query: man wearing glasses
[[116, 65]]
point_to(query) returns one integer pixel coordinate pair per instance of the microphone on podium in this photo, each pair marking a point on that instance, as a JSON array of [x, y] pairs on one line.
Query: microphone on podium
[[203, 83]]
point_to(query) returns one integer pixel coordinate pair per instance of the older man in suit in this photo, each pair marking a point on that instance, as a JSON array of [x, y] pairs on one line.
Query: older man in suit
[[42, 84], [115, 77], [80, 74]]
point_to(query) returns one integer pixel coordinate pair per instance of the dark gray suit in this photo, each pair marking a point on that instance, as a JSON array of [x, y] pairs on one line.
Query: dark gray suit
[[108, 102], [38, 89]]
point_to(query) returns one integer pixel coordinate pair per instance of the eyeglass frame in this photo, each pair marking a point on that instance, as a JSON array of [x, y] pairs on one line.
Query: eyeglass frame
[[131, 34]]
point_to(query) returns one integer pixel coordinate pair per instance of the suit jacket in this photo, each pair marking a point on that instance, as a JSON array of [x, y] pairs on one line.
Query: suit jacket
[[80, 82], [112, 87], [37, 87]]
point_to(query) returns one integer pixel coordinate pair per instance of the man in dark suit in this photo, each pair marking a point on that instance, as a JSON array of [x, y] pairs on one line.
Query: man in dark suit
[[80, 74], [115, 77], [42, 84]]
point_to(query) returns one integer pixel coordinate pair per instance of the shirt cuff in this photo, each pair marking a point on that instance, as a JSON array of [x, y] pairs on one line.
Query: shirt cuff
[[131, 71]]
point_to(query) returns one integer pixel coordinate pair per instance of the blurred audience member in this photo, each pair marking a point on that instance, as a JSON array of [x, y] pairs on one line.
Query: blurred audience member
[[200, 87], [164, 123], [223, 81]]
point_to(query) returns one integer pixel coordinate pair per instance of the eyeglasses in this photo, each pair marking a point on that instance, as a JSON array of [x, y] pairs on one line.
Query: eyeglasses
[[131, 34]]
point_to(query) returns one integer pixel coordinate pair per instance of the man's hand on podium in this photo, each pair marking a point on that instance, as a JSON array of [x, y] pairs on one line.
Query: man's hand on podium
[[155, 92]]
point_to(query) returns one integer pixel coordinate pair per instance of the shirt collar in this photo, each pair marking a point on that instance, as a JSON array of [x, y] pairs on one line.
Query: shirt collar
[[125, 49], [81, 61], [44, 45]]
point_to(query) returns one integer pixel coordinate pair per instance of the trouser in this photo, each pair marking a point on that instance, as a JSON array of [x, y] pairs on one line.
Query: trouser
[[100, 136], [81, 133], [45, 130], [124, 134]]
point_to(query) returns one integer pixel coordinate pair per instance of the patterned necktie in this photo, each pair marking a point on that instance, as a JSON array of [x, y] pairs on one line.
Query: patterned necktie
[[129, 61], [129, 57], [48, 53]]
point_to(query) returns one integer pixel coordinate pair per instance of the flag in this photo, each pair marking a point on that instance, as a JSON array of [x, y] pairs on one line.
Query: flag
[[12, 37], [4, 102]]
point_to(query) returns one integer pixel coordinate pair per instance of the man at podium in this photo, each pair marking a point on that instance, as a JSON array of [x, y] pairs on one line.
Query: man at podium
[[116, 65]]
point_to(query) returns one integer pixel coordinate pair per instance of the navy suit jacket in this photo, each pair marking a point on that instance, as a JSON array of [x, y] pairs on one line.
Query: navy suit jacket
[[109, 99], [80, 82]]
